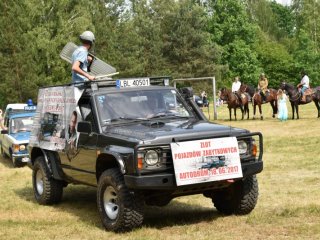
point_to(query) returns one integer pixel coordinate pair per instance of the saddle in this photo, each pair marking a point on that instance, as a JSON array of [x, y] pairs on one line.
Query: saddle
[[264, 95], [306, 93], [239, 97]]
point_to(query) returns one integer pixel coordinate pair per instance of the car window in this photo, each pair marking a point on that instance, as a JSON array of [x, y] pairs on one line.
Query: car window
[[22, 124], [142, 104]]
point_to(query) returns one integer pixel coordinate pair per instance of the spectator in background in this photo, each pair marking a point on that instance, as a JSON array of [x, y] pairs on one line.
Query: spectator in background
[[204, 98], [2, 121], [282, 103]]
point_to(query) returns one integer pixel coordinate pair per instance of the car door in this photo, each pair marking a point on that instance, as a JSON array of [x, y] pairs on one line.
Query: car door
[[6, 139], [80, 165]]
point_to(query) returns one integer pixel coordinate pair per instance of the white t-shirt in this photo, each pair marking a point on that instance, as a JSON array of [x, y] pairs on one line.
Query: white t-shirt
[[236, 86], [305, 81]]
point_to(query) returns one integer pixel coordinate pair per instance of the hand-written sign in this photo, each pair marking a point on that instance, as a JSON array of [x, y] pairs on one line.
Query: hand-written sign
[[206, 160]]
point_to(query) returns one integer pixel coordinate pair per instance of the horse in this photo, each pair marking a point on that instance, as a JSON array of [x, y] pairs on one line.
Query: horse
[[248, 89], [271, 97], [234, 102], [295, 97]]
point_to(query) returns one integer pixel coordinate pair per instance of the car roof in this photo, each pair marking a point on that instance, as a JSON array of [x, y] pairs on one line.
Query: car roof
[[21, 114], [16, 106]]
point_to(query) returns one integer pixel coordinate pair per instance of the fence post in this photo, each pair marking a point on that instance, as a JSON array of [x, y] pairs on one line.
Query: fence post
[[215, 115]]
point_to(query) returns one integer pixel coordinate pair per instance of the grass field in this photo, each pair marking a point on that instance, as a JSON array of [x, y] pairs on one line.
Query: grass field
[[288, 205]]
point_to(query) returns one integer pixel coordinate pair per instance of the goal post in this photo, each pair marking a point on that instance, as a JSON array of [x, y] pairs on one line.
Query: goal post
[[215, 115]]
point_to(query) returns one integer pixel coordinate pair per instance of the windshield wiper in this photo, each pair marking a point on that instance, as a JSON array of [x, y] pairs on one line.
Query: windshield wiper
[[124, 118], [166, 114]]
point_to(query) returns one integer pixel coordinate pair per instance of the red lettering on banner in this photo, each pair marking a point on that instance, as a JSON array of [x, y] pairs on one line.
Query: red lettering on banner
[[194, 174], [185, 155], [206, 144]]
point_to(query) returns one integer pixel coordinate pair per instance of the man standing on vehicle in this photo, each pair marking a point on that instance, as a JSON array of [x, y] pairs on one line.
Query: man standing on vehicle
[[81, 60]]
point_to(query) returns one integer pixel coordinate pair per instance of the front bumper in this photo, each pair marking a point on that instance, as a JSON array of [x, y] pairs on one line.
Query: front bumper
[[23, 158], [167, 181]]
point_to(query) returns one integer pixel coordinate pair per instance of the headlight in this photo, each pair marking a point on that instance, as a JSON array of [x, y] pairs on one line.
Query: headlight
[[151, 158], [15, 147], [243, 147], [22, 147]]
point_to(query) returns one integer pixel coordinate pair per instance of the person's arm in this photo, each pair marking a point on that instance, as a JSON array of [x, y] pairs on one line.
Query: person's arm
[[1, 124], [76, 68]]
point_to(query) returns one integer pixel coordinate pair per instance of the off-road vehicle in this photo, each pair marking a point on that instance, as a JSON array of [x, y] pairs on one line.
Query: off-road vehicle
[[139, 142]]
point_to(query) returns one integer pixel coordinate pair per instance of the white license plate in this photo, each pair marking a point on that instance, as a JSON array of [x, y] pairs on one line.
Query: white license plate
[[25, 159], [139, 82]]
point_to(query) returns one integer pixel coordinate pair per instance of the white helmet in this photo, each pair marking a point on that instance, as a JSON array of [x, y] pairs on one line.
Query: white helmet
[[87, 36]]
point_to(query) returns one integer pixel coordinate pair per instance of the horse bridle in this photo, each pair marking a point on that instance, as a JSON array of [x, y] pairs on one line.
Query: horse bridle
[[225, 95]]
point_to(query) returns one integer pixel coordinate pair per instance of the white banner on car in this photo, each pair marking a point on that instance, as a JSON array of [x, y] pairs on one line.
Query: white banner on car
[[206, 160], [54, 125]]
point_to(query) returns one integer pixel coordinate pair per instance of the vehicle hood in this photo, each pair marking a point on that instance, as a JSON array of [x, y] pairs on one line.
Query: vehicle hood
[[165, 132], [21, 136]]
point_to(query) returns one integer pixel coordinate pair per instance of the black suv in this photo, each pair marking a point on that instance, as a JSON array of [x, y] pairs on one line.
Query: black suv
[[128, 139]]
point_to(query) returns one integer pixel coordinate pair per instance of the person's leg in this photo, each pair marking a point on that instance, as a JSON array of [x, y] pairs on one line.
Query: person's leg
[[303, 89]]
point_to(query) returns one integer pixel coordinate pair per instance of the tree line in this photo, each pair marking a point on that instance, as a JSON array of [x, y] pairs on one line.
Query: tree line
[[183, 38]]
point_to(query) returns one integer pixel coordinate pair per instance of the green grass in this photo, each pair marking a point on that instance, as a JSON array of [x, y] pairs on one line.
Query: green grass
[[288, 205]]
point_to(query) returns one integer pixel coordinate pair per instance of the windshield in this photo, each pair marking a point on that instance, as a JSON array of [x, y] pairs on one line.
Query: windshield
[[22, 124], [140, 105]]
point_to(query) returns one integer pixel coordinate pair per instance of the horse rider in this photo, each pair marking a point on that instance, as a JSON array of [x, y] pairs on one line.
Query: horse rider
[[236, 87], [263, 86], [304, 83]]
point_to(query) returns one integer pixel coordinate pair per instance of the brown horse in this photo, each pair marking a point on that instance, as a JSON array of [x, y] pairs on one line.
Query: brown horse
[[271, 97], [234, 102], [295, 97]]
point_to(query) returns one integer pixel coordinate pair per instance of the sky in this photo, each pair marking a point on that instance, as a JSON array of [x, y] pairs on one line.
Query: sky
[[284, 2]]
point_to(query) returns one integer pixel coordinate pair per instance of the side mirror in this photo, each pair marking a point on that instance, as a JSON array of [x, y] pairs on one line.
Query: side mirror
[[4, 131], [186, 92], [84, 127]]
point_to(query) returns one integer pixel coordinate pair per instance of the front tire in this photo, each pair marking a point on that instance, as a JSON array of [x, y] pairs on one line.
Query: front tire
[[46, 189], [120, 210], [240, 198]]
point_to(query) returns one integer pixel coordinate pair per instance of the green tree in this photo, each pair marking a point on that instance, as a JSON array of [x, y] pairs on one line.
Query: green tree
[[231, 29]]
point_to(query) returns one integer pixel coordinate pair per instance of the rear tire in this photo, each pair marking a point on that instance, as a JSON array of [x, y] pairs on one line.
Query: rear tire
[[240, 198], [120, 210], [46, 189]]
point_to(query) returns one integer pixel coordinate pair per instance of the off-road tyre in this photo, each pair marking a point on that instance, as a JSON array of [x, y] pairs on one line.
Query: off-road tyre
[[126, 207], [240, 198], [52, 189]]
